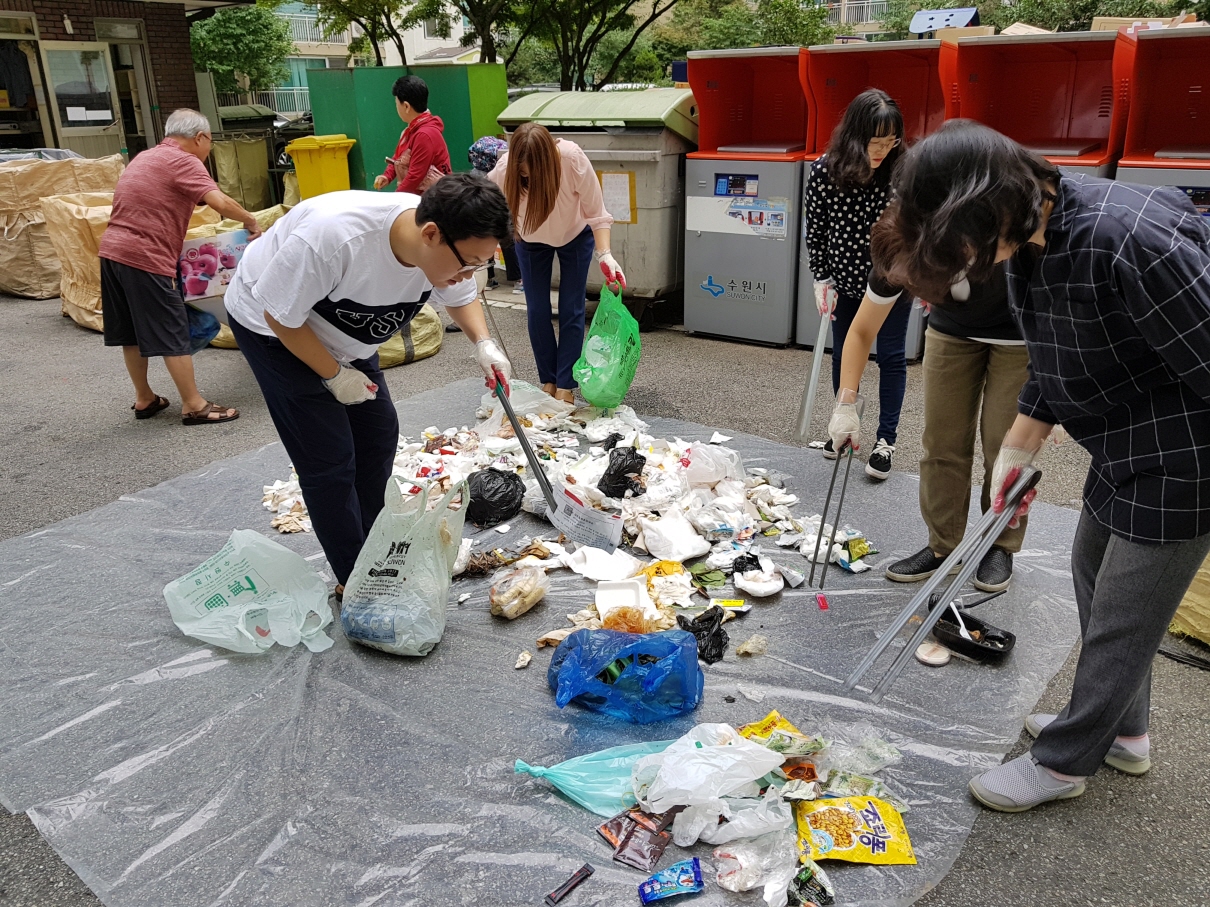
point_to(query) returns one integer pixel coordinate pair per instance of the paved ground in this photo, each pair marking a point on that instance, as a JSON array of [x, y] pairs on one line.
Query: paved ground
[[71, 444]]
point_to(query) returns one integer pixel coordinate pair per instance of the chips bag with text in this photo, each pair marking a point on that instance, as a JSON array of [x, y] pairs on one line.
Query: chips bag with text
[[857, 829]]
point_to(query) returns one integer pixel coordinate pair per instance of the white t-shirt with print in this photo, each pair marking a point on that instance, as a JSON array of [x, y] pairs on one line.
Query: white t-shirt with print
[[328, 264]]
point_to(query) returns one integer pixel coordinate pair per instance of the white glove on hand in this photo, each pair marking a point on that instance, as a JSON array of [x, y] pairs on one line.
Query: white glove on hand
[[612, 270], [1009, 463], [825, 297], [494, 363], [845, 427], [350, 386]]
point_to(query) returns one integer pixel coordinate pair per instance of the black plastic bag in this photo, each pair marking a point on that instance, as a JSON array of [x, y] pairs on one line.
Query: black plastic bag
[[744, 563], [707, 628], [625, 473], [495, 497], [612, 441]]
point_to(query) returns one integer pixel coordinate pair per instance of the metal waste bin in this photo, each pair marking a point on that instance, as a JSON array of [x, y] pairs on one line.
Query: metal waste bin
[[636, 141], [742, 192]]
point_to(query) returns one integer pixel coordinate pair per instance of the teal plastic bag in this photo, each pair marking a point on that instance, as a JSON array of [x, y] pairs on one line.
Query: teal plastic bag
[[600, 782], [606, 368]]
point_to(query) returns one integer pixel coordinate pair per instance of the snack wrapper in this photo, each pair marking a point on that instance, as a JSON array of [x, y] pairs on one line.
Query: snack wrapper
[[679, 878], [856, 829]]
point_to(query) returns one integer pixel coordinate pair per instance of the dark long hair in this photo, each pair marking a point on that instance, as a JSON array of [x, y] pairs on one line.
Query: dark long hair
[[957, 194], [872, 114]]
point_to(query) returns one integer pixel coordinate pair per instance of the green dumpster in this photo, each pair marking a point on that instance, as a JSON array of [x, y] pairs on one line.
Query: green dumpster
[[357, 102], [636, 141]]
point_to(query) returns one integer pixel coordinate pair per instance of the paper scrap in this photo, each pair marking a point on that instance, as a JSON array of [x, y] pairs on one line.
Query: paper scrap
[[503, 529], [464, 597], [719, 438], [523, 661], [750, 693]]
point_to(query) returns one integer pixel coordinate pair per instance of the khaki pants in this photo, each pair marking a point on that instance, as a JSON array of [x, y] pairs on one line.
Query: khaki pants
[[960, 374]]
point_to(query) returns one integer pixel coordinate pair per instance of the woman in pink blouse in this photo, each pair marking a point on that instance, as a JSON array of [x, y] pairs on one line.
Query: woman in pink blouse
[[558, 210]]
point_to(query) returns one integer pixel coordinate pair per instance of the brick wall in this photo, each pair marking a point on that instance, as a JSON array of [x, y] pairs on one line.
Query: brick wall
[[165, 29]]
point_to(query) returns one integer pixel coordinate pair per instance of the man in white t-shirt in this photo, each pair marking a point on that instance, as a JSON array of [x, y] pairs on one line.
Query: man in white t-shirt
[[313, 299]]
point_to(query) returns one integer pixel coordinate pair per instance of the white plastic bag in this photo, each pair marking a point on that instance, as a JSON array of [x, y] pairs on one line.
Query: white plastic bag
[[760, 583], [526, 401], [710, 465], [746, 818], [594, 564], [396, 596], [712, 761], [250, 595], [770, 861], [672, 538]]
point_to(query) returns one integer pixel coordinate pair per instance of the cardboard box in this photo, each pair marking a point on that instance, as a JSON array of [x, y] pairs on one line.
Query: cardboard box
[[208, 263], [1193, 616]]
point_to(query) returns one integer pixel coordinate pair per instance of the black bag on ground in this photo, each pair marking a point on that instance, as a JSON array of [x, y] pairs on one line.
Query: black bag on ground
[[707, 628], [495, 497], [624, 473]]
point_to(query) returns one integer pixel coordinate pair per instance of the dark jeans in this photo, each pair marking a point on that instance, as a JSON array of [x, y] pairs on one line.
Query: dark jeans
[[555, 358], [343, 454], [1126, 593], [891, 358]]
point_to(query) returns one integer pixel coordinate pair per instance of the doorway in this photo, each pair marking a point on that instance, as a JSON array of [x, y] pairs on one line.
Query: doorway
[[132, 81], [83, 97], [24, 118]]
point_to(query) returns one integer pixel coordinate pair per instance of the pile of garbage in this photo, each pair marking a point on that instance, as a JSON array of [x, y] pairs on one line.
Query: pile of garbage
[[769, 798], [679, 500]]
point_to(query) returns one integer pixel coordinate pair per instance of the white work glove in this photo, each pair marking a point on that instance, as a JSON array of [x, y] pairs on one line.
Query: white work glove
[[495, 365], [844, 428], [350, 386], [825, 298], [1009, 463], [611, 269]]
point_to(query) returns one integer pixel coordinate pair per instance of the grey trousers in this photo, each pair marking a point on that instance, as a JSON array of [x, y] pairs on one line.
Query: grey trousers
[[1127, 594]]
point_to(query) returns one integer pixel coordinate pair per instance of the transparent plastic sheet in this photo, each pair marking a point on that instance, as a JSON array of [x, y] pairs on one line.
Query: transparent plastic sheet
[[165, 772]]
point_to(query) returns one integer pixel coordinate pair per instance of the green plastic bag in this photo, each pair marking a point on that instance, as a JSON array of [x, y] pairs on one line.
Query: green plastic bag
[[606, 368], [600, 782]]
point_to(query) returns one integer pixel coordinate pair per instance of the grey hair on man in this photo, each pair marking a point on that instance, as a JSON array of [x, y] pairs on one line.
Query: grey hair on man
[[186, 124]]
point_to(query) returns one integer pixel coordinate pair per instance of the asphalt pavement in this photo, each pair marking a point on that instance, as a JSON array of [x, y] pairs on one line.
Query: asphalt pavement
[[71, 444]]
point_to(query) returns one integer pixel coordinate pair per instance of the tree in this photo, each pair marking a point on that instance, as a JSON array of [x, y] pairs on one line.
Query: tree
[[641, 65], [575, 29], [245, 44], [714, 24], [380, 21], [790, 22], [490, 24]]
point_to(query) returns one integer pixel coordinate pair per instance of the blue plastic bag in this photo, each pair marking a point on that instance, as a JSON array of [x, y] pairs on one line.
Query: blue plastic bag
[[636, 677], [600, 781]]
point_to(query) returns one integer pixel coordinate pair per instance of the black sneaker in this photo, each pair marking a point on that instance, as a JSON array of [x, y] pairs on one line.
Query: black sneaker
[[995, 570], [879, 464], [829, 450], [920, 566]]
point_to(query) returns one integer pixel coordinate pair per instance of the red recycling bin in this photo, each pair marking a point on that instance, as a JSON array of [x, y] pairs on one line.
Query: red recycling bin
[[1166, 75], [1052, 93], [832, 75]]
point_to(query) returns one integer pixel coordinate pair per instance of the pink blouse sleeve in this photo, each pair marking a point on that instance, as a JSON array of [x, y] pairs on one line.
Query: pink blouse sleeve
[[498, 172], [588, 189]]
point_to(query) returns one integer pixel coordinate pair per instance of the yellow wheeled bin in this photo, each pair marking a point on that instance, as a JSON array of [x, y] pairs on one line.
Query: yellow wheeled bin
[[321, 162]]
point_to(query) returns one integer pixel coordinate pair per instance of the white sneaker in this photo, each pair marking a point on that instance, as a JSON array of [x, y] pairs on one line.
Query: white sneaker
[[518, 290]]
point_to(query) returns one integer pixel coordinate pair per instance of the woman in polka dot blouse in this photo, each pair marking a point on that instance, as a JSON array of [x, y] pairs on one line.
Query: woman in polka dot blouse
[[847, 191]]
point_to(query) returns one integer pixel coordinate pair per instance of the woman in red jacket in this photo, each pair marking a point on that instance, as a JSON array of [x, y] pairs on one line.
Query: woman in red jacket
[[421, 157]]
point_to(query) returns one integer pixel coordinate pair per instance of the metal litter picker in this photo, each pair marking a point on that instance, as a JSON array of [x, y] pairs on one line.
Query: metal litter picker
[[977, 542], [570, 516], [847, 454]]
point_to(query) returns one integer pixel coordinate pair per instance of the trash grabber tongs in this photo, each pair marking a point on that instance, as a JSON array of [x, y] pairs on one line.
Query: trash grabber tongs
[[803, 431], [539, 472], [847, 454], [969, 552]]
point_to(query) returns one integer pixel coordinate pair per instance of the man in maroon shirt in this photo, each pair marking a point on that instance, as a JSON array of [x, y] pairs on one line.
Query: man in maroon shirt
[[143, 307], [422, 157]]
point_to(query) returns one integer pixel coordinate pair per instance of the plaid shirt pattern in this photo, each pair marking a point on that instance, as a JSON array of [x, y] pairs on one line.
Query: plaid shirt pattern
[[1116, 314]]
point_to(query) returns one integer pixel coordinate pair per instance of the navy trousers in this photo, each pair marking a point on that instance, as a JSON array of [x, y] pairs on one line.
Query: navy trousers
[[555, 358], [343, 454]]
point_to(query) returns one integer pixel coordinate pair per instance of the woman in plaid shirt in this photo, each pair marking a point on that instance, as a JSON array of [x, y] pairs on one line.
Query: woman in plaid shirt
[[1110, 285]]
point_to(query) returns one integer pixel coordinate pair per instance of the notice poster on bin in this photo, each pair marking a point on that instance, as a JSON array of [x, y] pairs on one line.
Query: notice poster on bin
[[618, 193]]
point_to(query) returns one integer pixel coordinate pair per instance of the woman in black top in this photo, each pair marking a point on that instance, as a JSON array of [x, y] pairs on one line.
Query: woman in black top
[[1110, 285], [847, 191]]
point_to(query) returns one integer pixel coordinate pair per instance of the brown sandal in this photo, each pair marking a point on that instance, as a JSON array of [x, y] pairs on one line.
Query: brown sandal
[[151, 409], [202, 416]]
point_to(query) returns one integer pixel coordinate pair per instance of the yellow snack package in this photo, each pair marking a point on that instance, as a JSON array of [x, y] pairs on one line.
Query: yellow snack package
[[857, 829], [760, 730]]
